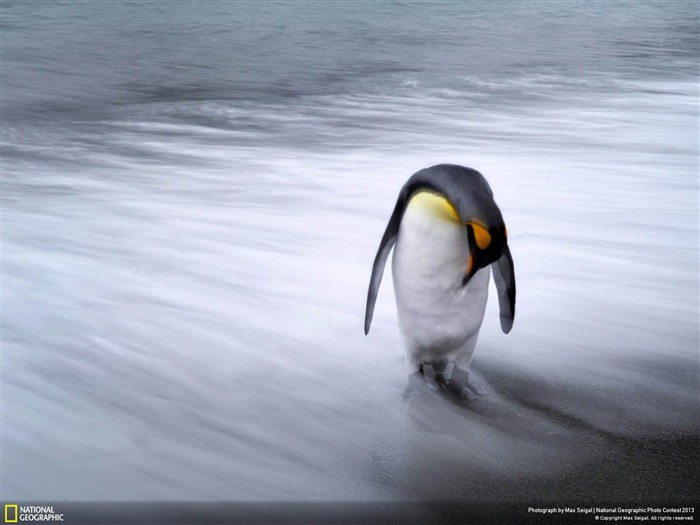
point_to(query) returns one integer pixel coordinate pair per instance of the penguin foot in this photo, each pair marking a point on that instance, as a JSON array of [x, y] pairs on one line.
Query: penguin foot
[[441, 376], [459, 386], [416, 383]]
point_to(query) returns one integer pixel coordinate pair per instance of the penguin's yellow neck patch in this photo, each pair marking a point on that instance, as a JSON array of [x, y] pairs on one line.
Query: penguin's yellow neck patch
[[434, 204]]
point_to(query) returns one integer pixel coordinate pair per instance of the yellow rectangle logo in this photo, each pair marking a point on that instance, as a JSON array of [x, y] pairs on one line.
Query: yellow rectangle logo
[[8, 508]]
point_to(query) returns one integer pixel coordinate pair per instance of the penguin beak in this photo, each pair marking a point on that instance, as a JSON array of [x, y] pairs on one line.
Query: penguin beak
[[472, 264], [471, 270]]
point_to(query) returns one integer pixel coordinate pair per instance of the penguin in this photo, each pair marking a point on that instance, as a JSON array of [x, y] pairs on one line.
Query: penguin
[[447, 234]]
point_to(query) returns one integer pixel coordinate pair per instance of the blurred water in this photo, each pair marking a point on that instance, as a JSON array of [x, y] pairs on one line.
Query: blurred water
[[192, 196]]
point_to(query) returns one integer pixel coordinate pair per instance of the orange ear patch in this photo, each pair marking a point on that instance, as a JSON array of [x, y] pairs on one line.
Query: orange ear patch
[[469, 264], [481, 235]]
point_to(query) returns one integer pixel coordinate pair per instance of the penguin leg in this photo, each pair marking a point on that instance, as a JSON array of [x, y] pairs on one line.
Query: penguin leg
[[437, 373], [432, 376], [443, 370]]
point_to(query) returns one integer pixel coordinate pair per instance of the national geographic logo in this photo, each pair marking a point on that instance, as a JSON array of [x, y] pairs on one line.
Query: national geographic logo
[[26, 513], [10, 513]]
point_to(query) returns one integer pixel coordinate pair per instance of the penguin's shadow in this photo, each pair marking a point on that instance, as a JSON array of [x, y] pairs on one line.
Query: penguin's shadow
[[450, 381]]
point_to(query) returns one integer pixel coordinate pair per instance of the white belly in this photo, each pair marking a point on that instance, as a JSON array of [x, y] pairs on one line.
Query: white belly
[[438, 317]]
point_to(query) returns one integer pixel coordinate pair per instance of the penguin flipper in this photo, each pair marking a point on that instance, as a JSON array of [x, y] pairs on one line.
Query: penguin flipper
[[504, 277], [385, 246]]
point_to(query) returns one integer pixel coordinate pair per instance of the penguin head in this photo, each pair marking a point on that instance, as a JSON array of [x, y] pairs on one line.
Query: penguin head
[[471, 198]]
